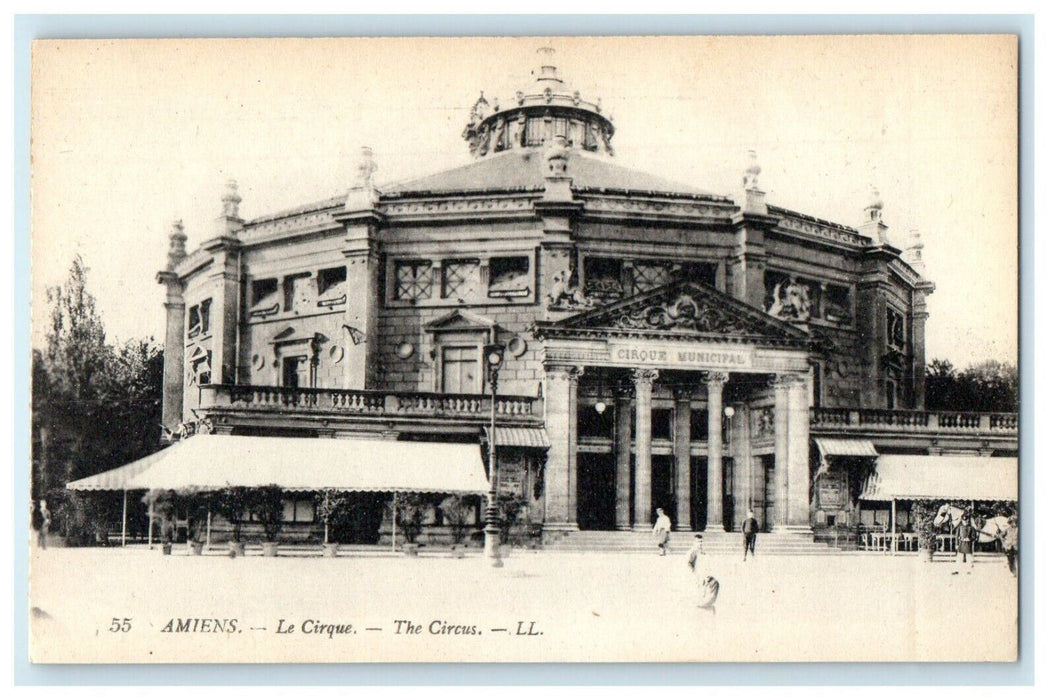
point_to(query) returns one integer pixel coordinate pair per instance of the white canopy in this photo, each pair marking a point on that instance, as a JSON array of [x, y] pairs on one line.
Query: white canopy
[[116, 479], [964, 477], [211, 462]]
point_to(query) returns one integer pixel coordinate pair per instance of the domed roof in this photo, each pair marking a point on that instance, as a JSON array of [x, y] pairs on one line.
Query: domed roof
[[547, 107]]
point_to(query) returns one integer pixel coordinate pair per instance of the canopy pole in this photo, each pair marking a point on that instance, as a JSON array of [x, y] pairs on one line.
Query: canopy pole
[[208, 528], [393, 521], [893, 502], [124, 517], [150, 525]]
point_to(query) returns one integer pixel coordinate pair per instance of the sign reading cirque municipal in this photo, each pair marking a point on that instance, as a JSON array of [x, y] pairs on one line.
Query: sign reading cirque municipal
[[677, 356]]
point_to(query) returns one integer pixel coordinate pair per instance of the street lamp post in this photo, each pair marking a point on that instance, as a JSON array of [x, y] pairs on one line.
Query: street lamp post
[[493, 355]]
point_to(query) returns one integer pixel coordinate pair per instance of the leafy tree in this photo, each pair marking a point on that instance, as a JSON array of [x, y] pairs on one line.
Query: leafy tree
[[95, 406], [327, 503], [456, 510], [232, 504], [989, 386], [266, 505]]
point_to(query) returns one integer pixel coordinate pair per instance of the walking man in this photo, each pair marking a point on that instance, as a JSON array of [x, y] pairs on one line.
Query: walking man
[[707, 586], [662, 530], [45, 524], [749, 527]]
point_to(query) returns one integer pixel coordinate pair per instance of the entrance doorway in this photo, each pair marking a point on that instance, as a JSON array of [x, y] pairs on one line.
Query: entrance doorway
[[698, 489], [663, 487], [596, 491], [769, 507]]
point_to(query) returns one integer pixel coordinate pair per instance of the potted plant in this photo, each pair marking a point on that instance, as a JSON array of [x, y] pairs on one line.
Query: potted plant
[[410, 512], [510, 509], [232, 504], [266, 505], [456, 510], [327, 503], [196, 505], [923, 514], [164, 514]]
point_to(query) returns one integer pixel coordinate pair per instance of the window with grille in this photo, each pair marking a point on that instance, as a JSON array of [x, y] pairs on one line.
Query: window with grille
[[460, 279], [645, 276], [896, 329], [414, 279]]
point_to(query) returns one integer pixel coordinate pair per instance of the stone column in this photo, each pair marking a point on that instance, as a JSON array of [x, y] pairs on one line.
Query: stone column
[[681, 446], [798, 478], [172, 392], [643, 445], [741, 449], [624, 417], [780, 385], [716, 381], [574, 373], [557, 398]]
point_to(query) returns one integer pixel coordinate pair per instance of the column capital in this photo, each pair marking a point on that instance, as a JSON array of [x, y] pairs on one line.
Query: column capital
[[623, 389], [560, 371], [715, 378], [644, 376], [785, 381]]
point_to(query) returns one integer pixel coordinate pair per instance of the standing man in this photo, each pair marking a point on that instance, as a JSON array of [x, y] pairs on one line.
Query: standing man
[[1010, 543], [45, 524], [965, 534], [662, 530], [749, 527], [708, 586]]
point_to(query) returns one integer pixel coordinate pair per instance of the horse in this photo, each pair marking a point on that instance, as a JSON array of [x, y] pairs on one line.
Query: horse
[[987, 529]]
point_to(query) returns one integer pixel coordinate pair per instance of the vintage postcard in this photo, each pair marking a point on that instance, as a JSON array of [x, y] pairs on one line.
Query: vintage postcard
[[541, 349]]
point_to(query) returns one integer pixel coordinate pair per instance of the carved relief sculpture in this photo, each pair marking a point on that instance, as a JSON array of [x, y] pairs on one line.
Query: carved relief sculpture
[[790, 300]]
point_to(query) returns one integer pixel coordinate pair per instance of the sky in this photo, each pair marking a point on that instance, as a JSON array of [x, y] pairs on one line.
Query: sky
[[129, 135]]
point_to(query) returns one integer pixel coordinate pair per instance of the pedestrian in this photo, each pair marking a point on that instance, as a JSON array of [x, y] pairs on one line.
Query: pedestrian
[[662, 530], [749, 528], [1009, 537], [45, 524], [965, 536], [707, 586]]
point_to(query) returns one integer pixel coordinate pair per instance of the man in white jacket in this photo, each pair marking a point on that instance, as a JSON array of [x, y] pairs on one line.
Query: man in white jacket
[[662, 530]]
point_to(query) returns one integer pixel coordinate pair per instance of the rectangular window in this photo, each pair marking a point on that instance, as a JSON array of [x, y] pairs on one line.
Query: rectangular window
[[298, 510], [262, 290], [295, 371], [414, 280], [460, 370], [698, 425], [202, 369], [702, 272], [648, 275], [535, 134], [662, 423], [198, 318], [331, 281], [297, 291], [461, 279], [604, 278], [510, 277], [896, 329], [837, 304]]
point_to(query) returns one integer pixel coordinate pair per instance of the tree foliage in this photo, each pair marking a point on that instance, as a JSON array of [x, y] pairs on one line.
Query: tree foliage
[[96, 405], [986, 387]]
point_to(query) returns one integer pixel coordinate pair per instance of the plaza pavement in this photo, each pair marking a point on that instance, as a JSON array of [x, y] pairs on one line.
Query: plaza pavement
[[568, 606]]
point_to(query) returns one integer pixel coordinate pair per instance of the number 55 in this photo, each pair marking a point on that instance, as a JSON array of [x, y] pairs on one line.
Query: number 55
[[123, 624]]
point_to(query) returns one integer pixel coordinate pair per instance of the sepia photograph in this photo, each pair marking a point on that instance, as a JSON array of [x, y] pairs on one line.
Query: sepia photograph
[[534, 349]]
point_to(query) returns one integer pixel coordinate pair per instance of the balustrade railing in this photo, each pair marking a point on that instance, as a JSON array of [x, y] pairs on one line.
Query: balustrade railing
[[369, 402], [913, 421]]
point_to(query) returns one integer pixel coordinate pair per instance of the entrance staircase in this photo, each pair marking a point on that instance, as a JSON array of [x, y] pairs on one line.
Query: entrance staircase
[[718, 543]]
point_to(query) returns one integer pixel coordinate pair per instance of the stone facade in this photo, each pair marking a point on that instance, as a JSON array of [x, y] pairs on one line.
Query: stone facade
[[386, 298]]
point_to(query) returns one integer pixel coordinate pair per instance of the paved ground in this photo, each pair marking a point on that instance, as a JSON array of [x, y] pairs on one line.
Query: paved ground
[[585, 607]]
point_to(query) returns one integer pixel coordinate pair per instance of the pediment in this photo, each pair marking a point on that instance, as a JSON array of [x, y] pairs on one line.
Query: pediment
[[460, 320], [682, 309]]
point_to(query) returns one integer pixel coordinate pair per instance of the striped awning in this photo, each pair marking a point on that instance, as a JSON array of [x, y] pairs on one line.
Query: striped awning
[[506, 436], [117, 479], [830, 447], [961, 477], [213, 462]]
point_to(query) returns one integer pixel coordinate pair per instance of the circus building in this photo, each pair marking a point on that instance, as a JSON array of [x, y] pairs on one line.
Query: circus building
[[653, 346]]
